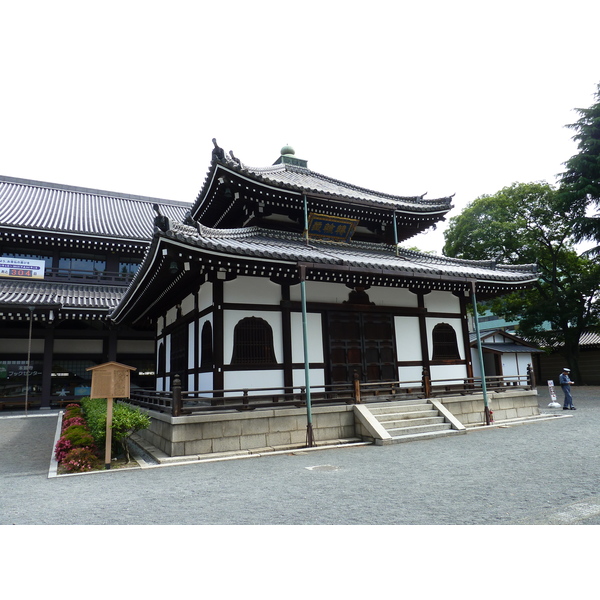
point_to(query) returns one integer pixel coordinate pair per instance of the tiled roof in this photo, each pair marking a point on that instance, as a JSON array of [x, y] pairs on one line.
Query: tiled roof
[[304, 181], [67, 295], [241, 250], [588, 339], [263, 243], [39, 206], [515, 348], [308, 181]]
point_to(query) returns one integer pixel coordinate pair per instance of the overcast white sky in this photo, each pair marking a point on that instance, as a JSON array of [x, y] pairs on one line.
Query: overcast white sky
[[406, 97]]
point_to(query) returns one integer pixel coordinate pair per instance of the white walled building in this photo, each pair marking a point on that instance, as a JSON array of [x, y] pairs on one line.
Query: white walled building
[[224, 288]]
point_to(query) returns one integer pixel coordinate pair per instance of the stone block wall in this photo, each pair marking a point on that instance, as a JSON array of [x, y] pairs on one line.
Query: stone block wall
[[264, 430], [469, 410], [258, 430]]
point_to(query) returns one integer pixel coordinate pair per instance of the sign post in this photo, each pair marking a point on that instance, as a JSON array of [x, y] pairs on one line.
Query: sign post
[[110, 380]]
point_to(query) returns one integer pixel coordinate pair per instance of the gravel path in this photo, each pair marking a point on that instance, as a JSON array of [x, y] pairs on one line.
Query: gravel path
[[545, 472]]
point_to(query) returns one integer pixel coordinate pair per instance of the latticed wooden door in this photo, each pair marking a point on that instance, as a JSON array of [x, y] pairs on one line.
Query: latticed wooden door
[[361, 343]]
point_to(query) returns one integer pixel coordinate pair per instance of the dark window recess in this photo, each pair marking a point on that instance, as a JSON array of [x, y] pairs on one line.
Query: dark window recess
[[179, 350], [253, 343], [162, 360], [444, 342], [206, 359]]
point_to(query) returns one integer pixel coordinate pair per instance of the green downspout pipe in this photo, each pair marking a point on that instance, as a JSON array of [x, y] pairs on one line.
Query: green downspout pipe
[[487, 411], [396, 233], [310, 441]]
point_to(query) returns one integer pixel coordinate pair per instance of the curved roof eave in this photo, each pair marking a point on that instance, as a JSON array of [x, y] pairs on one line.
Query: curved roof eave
[[345, 193]]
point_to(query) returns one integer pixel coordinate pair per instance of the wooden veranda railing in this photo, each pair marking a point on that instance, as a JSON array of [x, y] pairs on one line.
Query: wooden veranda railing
[[178, 402]]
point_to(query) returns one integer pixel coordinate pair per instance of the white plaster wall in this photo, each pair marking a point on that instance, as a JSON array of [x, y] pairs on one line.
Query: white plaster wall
[[410, 376], [515, 364], [191, 343], [253, 380], [442, 302], [317, 378], [160, 325], [522, 361], [315, 337], [389, 296], [160, 385], [447, 374], [205, 296], [317, 291], [187, 304], [337, 293], [231, 319], [205, 382], [252, 289], [488, 363], [408, 338], [171, 316], [168, 353], [430, 323]]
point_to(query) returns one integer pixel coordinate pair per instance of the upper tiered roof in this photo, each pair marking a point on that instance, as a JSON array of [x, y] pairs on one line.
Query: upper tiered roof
[[235, 194]]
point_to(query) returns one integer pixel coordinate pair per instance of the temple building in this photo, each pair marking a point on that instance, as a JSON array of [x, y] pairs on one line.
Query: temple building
[[266, 255], [67, 255]]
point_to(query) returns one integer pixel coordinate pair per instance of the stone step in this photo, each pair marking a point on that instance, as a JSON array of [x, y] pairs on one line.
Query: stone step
[[433, 419], [402, 431], [425, 436], [378, 411], [397, 416]]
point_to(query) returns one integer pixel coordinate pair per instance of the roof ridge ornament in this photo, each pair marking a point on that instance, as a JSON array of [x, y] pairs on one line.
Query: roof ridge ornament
[[217, 153], [161, 221]]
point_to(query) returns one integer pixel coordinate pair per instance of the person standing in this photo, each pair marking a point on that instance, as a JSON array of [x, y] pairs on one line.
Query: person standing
[[565, 384]]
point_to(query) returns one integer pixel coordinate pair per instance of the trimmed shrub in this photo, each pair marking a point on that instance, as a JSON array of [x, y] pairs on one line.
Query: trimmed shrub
[[79, 436], [126, 420], [72, 421], [62, 448], [79, 460]]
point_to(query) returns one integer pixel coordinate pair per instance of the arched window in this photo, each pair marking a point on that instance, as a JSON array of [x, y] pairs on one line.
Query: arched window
[[206, 346], [162, 360], [253, 343], [444, 342]]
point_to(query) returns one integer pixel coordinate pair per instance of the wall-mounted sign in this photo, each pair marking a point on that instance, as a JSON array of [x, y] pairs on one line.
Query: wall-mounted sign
[[331, 228], [23, 268]]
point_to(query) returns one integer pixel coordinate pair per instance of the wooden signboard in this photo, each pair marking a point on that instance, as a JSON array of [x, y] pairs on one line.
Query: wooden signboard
[[110, 380]]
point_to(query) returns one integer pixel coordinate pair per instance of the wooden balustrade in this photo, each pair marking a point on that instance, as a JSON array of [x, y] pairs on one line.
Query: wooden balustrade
[[178, 402]]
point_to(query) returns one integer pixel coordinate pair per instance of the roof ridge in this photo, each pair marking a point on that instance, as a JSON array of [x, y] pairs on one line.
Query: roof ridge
[[305, 170], [91, 191]]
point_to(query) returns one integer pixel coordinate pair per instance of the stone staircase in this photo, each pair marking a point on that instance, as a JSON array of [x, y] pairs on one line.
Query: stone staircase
[[406, 420]]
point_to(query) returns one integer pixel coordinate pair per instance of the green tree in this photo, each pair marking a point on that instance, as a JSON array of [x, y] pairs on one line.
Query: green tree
[[524, 224], [580, 183]]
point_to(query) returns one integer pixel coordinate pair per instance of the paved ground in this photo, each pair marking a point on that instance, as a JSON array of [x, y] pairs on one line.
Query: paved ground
[[546, 472]]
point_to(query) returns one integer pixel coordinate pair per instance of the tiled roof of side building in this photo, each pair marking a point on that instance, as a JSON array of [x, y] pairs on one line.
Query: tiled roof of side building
[[41, 206], [66, 295]]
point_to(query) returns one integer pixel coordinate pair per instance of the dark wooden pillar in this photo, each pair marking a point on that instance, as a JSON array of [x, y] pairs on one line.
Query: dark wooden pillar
[[47, 366], [286, 328], [465, 332], [218, 333]]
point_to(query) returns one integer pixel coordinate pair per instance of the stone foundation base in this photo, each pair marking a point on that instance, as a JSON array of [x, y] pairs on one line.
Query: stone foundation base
[[469, 410], [261, 430]]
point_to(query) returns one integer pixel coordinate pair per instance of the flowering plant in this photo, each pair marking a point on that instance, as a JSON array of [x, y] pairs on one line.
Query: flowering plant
[[78, 460], [62, 448]]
